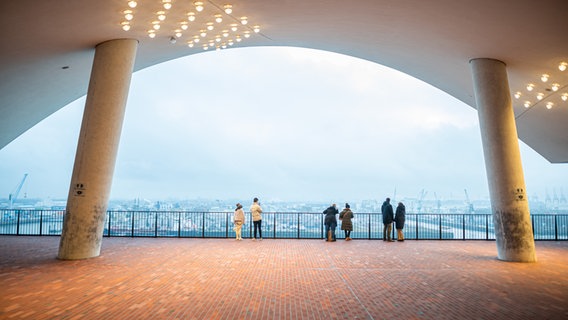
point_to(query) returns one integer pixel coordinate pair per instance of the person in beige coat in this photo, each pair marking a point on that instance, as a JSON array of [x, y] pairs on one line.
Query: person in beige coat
[[239, 220], [346, 224], [256, 212]]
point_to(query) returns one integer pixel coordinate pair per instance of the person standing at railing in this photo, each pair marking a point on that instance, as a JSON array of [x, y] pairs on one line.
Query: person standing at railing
[[346, 225], [256, 212], [239, 220], [399, 218], [330, 222], [388, 218]]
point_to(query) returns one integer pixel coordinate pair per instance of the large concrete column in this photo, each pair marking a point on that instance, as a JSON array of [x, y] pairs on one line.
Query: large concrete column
[[97, 148], [509, 203]]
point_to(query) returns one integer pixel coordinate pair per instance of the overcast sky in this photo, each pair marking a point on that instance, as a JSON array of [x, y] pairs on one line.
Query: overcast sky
[[277, 123]]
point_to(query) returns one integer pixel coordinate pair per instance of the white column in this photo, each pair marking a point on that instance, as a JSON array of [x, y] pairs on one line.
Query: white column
[[97, 148], [509, 202]]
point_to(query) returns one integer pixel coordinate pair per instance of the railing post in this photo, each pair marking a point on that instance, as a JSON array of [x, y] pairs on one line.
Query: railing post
[[18, 223], [440, 225], [486, 227], [463, 225], [179, 224], [203, 225], [298, 225], [155, 224], [226, 225], [274, 226], [416, 215], [369, 235], [556, 228], [109, 223], [40, 221], [132, 231]]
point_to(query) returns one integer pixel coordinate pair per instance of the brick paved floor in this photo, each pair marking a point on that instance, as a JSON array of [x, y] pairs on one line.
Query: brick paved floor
[[147, 278]]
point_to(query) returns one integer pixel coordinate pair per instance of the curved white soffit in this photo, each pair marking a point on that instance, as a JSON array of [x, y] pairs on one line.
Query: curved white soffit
[[48, 46]]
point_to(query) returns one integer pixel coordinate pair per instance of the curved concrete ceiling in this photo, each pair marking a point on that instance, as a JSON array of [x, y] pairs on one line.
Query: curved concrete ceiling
[[48, 47]]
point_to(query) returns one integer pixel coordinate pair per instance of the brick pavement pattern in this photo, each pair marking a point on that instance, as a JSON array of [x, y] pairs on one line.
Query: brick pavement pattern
[[159, 278]]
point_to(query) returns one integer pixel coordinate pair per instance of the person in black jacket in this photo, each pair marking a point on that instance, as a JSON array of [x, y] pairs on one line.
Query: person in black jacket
[[399, 217], [330, 222], [388, 218]]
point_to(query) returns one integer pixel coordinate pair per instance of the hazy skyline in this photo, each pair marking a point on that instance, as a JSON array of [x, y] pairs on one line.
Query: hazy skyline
[[276, 123]]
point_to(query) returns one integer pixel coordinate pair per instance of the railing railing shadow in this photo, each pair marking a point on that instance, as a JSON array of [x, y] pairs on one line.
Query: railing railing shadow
[[283, 225]]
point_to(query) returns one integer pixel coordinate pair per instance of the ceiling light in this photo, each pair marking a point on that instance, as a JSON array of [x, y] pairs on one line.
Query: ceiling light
[[178, 33], [530, 87], [517, 94], [190, 44], [230, 42], [247, 34], [125, 25], [203, 33], [205, 47], [238, 38], [218, 18], [183, 25], [544, 77], [191, 16], [161, 15], [210, 26], [539, 96], [132, 4], [128, 15], [555, 86], [217, 38], [256, 29], [225, 33], [196, 39], [167, 4], [527, 104], [198, 6], [151, 34], [244, 20], [564, 96], [549, 105], [156, 25], [228, 8], [234, 27], [562, 66]]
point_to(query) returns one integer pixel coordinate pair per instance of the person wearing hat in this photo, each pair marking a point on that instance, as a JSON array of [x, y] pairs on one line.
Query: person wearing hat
[[346, 225], [238, 220]]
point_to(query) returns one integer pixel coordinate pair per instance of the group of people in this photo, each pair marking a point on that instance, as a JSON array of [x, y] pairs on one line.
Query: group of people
[[239, 219], [330, 220]]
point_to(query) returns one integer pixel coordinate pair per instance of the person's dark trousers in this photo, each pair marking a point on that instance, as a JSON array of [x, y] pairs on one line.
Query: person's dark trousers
[[258, 226], [330, 226]]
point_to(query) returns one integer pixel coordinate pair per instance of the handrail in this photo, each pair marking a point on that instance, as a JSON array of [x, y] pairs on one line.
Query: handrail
[[289, 225]]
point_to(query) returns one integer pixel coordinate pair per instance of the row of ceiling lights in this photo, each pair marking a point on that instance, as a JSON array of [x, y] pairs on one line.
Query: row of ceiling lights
[[553, 89], [227, 36]]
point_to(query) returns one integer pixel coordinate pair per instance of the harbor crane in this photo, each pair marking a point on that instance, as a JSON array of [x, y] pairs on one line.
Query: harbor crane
[[14, 195], [470, 209]]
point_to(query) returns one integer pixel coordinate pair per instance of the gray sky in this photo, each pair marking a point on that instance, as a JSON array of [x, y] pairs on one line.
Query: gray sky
[[277, 123]]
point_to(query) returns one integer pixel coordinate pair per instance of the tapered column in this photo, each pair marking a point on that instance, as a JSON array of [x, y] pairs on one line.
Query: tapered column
[[509, 203], [97, 148]]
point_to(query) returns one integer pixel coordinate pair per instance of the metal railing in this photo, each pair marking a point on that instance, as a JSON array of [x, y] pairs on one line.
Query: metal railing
[[304, 225]]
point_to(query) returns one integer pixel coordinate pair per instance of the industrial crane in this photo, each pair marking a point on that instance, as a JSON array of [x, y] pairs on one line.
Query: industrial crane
[[470, 209], [14, 195]]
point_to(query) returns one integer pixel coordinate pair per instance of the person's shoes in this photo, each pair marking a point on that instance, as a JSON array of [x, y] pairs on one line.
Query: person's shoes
[[253, 239], [260, 239], [401, 240], [390, 240]]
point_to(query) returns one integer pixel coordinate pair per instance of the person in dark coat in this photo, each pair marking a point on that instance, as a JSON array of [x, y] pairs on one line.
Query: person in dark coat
[[388, 218], [399, 217], [330, 222], [346, 225]]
